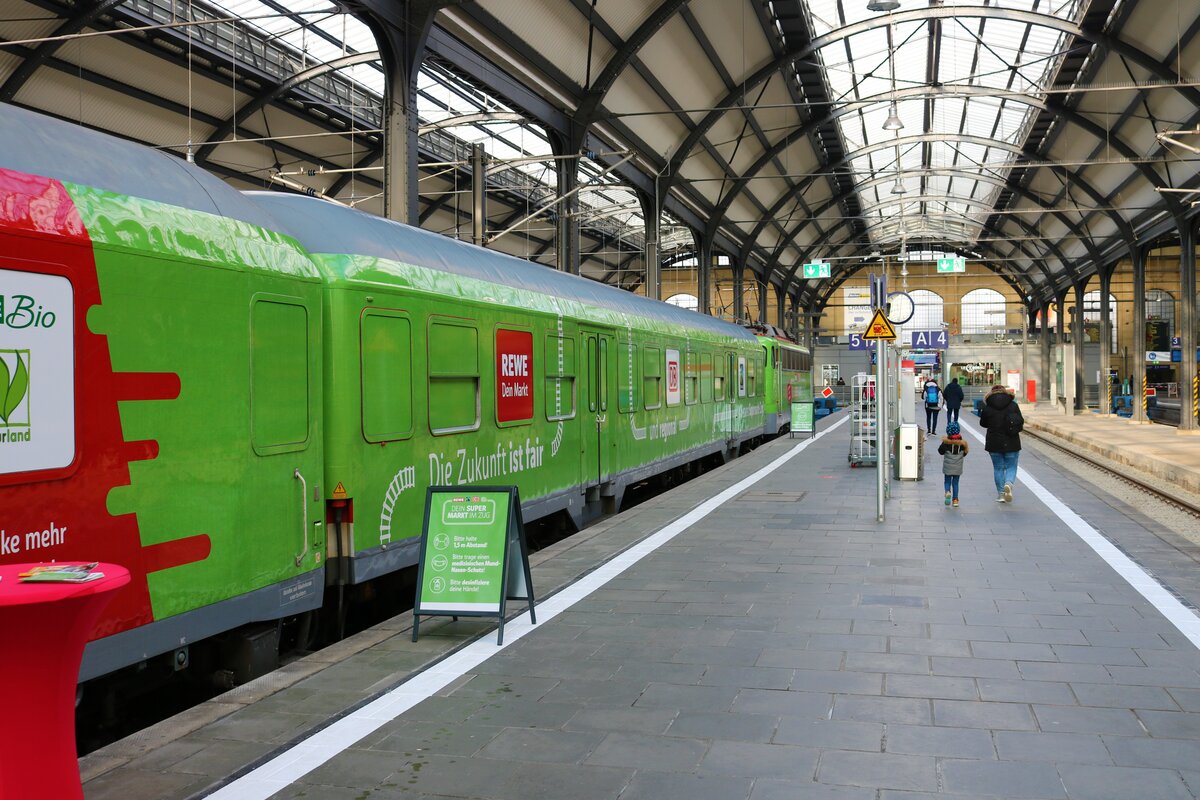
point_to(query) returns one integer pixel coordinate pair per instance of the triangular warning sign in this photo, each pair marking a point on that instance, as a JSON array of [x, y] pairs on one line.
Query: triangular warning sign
[[339, 491], [879, 327]]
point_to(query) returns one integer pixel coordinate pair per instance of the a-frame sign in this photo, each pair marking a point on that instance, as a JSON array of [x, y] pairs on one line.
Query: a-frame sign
[[879, 327]]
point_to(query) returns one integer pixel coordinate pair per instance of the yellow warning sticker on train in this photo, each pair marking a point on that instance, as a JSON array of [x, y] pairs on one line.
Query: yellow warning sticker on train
[[339, 491], [879, 327]]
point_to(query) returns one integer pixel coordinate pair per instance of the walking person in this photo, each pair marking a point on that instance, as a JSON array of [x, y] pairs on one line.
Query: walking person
[[1002, 417], [931, 393], [953, 394], [953, 450]]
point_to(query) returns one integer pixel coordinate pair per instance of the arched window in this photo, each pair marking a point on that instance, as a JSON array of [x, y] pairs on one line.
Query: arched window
[[1091, 313], [1160, 304], [688, 301], [983, 312], [927, 314]]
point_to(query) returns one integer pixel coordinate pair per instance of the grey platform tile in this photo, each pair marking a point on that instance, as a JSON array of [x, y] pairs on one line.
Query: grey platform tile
[[1014, 651], [618, 653], [648, 785], [445, 709], [252, 725], [875, 627], [727, 726], [751, 760], [129, 784], [411, 736], [931, 686], [1170, 724], [1146, 639], [1064, 719], [887, 662], [928, 740], [1188, 699], [734, 656], [1122, 783], [647, 672], [521, 714], [1064, 673], [975, 667], [629, 720], [1010, 780], [1078, 748], [1121, 696], [365, 769], [217, 758], [1130, 751], [990, 716], [837, 642], [809, 680], [878, 770], [1047, 635], [699, 698], [862, 708], [747, 677], [489, 686], [799, 659], [831, 734], [501, 780], [538, 745], [1090, 654], [797, 790], [1156, 676], [929, 647]]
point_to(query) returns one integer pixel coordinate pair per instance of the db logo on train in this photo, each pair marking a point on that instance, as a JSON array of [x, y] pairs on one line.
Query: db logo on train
[[789, 393]]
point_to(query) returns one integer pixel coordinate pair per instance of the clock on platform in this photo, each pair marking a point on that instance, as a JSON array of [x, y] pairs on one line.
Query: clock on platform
[[900, 308]]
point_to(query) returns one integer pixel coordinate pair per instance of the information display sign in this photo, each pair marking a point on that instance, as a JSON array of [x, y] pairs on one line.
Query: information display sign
[[473, 555], [802, 417]]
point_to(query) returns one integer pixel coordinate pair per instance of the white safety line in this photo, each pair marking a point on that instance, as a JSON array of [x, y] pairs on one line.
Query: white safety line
[[1147, 586], [296, 762]]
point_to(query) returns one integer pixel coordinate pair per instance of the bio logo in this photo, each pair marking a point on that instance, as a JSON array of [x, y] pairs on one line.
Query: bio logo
[[21, 311], [14, 386]]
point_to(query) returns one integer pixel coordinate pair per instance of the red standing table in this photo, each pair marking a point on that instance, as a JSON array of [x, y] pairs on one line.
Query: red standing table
[[43, 629]]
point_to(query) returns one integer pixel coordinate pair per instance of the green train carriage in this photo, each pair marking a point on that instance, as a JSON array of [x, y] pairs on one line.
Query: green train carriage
[[609, 388], [788, 375]]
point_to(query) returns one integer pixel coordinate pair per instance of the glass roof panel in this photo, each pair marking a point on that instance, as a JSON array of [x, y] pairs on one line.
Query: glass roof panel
[[989, 74]]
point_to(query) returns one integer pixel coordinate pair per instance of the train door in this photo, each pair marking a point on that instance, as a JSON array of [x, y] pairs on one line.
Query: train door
[[733, 380], [596, 405]]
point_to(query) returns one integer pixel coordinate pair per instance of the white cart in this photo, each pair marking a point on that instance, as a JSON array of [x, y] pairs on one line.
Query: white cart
[[863, 418]]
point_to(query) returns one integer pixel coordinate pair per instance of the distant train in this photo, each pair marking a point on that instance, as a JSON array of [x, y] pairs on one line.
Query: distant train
[[242, 397]]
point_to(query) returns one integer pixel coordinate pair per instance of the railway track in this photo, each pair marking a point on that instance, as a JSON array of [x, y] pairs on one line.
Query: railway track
[[1179, 501]]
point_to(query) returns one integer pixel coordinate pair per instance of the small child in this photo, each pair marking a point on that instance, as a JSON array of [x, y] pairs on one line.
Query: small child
[[954, 449]]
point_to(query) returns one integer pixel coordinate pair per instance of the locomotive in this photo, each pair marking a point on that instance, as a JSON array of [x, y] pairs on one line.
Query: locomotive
[[241, 397]]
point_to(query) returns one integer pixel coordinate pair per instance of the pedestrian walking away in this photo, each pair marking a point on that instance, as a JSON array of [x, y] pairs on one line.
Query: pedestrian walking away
[[931, 394], [953, 395], [953, 450], [1001, 416]]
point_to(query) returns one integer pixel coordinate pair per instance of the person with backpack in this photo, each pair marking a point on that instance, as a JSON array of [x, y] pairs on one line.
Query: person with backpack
[[1001, 416], [953, 396], [931, 393], [953, 449]]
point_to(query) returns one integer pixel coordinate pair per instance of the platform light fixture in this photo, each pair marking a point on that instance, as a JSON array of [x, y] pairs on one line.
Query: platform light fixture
[[898, 186], [883, 5], [893, 122]]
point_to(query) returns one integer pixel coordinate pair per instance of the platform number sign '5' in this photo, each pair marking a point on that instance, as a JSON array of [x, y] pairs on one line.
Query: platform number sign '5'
[[859, 343]]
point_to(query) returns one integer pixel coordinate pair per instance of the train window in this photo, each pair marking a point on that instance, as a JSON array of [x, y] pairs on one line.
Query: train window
[[752, 364], [279, 378], [590, 357], [514, 376], [706, 378], [627, 377], [453, 376], [691, 378], [560, 377], [386, 354], [652, 368], [719, 378]]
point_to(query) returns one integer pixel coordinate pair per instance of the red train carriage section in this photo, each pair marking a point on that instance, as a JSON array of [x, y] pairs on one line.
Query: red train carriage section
[[61, 445]]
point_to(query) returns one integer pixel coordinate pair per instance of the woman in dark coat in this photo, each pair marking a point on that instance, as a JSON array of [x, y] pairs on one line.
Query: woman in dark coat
[[1001, 416]]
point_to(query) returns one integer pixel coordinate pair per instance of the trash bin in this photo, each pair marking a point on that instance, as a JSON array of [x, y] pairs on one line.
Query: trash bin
[[910, 453]]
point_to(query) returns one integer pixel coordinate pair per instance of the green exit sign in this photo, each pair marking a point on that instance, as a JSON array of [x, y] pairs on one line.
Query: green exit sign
[[817, 271], [951, 265]]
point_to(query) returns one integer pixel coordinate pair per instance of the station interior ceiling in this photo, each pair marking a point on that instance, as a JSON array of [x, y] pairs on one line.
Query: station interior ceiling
[[1045, 140]]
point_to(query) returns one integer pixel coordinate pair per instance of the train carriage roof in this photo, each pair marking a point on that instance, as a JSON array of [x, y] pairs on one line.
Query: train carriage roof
[[39, 145], [324, 227]]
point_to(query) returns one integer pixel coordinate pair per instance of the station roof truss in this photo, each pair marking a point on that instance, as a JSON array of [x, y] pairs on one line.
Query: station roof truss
[[1035, 137]]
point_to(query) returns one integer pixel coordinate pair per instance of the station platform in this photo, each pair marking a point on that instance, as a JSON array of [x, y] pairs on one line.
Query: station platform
[[755, 633], [1158, 451]]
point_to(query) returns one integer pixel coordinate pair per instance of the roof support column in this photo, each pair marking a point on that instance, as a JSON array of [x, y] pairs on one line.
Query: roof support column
[[652, 213], [1105, 396], [401, 30], [566, 226], [763, 288], [478, 195], [704, 263], [1060, 344], [1138, 255], [1187, 327], [1047, 374], [1077, 338], [739, 302], [781, 308]]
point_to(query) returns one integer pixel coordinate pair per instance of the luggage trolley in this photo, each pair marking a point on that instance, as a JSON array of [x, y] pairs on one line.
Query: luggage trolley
[[863, 418]]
